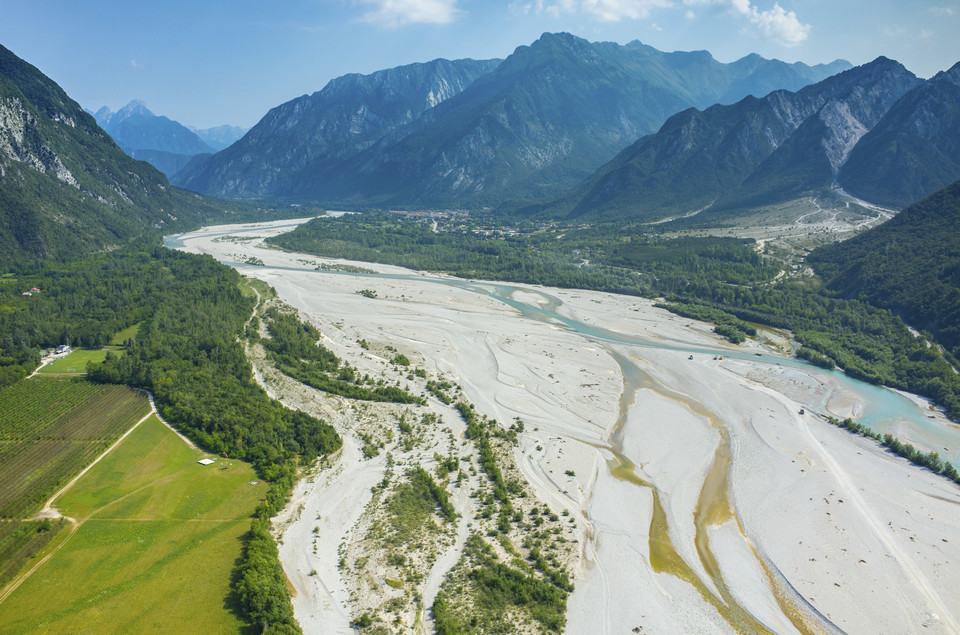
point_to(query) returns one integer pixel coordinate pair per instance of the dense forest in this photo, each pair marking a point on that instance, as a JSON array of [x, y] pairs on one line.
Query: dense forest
[[910, 265], [724, 280], [606, 258], [190, 312], [186, 352], [294, 348]]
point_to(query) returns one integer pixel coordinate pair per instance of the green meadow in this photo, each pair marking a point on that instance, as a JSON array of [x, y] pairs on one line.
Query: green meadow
[[157, 539], [75, 363], [129, 333]]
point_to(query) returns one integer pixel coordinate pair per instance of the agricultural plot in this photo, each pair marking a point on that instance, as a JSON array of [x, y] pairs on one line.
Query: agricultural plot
[[19, 540], [156, 540], [50, 429]]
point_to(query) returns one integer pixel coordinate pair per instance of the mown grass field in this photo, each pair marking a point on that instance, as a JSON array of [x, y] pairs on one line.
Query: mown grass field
[[75, 363], [50, 429], [157, 540]]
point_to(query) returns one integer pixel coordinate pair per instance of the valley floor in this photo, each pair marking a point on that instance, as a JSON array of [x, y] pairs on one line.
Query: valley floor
[[709, 494]]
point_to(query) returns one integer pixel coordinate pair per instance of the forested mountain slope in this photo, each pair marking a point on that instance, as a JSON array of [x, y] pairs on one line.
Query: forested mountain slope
[[66, 189], [752, 152], [910, 265], [877, 129], [299, 143], [531, 127]]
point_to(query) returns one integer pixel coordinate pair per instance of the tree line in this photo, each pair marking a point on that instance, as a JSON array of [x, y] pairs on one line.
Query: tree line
[[723, 280], [930, 460], [294, 348]]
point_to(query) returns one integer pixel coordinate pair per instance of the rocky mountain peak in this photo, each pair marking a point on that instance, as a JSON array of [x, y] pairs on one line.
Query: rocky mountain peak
[[786, 146], [450, 133], [135, 107], [951, 75], [883, 67], [106, 118]]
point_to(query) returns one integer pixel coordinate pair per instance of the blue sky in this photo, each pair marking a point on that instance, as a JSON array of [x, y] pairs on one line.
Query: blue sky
[[212, 62]]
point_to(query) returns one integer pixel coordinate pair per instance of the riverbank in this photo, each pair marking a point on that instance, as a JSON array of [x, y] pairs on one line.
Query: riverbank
[[737, 501]]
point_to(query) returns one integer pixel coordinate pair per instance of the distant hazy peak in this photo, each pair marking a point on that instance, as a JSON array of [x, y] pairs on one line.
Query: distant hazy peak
[[136, 106], [105, 117], [637, 45]]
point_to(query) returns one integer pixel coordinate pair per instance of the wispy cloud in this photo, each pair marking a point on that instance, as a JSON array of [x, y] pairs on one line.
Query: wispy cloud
[[775, 23], [392, 14], [136, 64], [603, 10], [941, 10]]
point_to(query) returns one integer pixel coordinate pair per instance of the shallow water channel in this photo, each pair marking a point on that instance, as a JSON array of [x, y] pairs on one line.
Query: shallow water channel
[[883, 410]]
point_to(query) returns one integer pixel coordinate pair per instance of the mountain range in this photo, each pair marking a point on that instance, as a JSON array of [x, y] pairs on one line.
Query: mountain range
[[876, 131], [471, 133], [299, 142], [160, 141], [478, 133], [66, 189]]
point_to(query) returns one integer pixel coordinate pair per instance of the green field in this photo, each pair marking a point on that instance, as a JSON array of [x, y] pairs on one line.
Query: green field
[[75, 363], [50, 429], [19, 540], [129, 333], [157, 541]]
